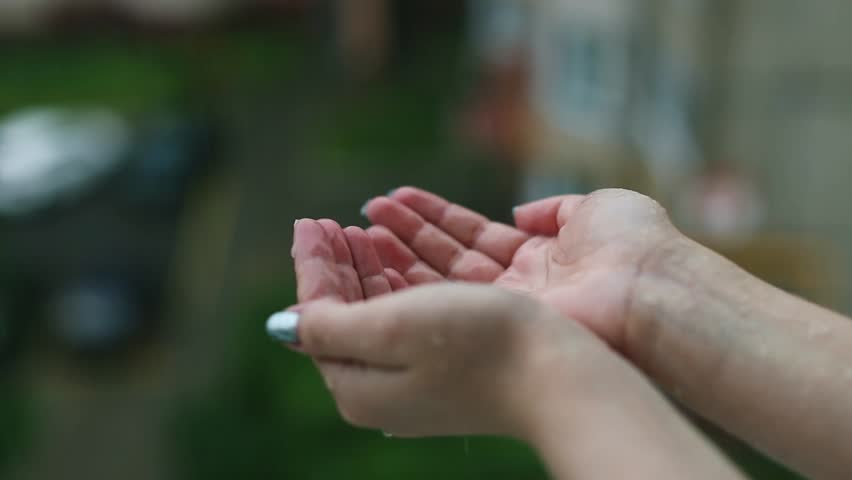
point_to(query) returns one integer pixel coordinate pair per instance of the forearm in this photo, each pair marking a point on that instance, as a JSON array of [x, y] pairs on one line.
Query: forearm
[[767, 366], [621, 427]]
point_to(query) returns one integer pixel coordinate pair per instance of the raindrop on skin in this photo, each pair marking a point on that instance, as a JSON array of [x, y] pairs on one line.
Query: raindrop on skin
[[817, 329]]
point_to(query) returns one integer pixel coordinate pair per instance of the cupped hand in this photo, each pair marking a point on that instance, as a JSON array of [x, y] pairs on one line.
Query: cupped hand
[[583, 255], [450, 359], [338, 264]]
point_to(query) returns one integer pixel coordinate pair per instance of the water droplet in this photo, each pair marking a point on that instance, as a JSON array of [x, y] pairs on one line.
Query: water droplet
[[817, 329], [387, 435]]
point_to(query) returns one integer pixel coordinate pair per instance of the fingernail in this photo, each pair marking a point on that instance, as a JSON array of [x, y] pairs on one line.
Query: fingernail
[[364, 208], [284, 327], [296, 222], [515, 210], [391, 192]]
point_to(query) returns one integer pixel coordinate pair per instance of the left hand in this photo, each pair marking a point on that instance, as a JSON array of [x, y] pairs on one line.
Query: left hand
[[452, 359], [337, 264]]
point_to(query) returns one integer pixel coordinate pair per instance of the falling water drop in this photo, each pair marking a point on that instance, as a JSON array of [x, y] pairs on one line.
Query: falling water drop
[[387, 435]]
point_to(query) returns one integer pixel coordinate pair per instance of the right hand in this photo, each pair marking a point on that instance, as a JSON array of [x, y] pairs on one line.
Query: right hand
[[457, 359], [583, 255]]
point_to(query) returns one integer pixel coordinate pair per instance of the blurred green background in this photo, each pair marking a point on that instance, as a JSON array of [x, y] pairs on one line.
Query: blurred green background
[[289, 110]]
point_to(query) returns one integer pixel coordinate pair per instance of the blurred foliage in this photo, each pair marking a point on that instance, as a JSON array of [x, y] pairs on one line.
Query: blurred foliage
[[271, 417], [404, 119], [138, 74], [16, 422]]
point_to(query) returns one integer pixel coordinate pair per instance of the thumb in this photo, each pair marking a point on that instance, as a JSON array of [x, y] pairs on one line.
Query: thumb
[[546, 217], [329, 329]]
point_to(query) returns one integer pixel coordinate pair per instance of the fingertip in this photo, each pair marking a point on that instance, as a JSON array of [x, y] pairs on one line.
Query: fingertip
[[365, 209], [377, 230], [305, 225], [329, 223], [396, 280], [284, 327], [403, 191], [354, 231], [539, 217], [371, 206], [523, 220], [305, 231]]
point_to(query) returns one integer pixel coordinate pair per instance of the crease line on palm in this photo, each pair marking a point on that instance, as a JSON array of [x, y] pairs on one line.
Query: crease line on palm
[[416, 231], [419, 238]]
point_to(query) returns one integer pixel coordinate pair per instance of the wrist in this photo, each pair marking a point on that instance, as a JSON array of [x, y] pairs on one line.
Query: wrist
[[679, 297], [566, 373], [579, 428]]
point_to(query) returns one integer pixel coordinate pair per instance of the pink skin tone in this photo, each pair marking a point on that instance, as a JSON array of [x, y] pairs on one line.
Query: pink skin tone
[[569, 252], [765, 365], [379, 355]]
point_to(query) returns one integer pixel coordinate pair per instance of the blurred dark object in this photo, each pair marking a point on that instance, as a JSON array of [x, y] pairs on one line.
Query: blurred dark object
[[5, 331], [98, 315], [364, 32], [92, 211], [15, 294], [171, 150], [16, 423], [51, 155]]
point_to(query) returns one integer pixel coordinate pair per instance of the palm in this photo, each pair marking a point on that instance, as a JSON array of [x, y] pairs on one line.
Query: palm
[[579, 254], [588, 268]]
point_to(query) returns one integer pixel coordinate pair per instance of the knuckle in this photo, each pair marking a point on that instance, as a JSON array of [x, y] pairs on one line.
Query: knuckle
[[405, 193], [312, 337]]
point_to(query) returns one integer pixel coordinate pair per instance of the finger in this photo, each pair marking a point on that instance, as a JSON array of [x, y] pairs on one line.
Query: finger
[[392, 331], [397, 256], [441, 251], [546, 217], [371, 272], [475, 231], [283, 326], [350, 283], [316, 266], [396, 280], [370, 333]]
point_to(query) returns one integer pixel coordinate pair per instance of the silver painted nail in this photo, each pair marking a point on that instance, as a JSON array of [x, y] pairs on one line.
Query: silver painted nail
[[284, 327], [364, 208]]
